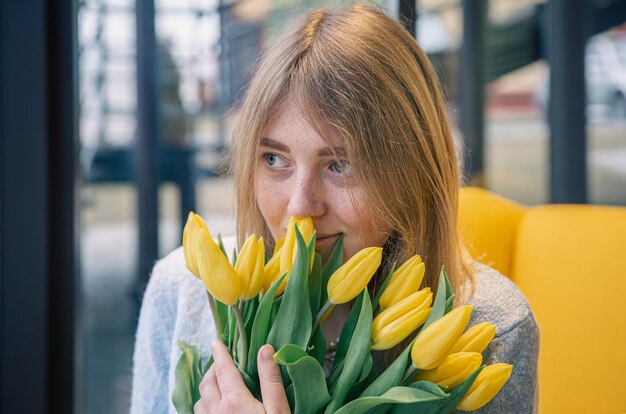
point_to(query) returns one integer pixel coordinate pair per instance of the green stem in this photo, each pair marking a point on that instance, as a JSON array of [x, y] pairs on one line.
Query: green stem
[[216, 317], [410, 371], [243, 339], [320, 315]]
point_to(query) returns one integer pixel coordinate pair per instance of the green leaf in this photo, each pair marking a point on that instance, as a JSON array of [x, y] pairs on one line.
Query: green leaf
[[315, 284], [188, 377], [334, 262], [449, 303], [368, 375], [293, 321], [207, 365], [307, 377], [449, 292], [252, 386], [427, 407], [457, 393], [291, 398], [310, 247], [396, 395], [250, 310], [344, 338], [317, 347], [222, 311], [390, 377], [383, 286], [234, 259], [439, 306], [261, 326], [357, 352], [220, 244], [232, 324]]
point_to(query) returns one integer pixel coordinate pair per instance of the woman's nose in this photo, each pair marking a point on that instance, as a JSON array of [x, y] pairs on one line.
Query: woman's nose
[[306, 198]]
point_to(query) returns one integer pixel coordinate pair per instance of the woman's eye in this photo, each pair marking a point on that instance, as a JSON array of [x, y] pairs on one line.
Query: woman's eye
[[274, 160], [341, 167]]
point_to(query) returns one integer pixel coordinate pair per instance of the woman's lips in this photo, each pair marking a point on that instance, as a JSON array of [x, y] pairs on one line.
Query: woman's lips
[[325, 238]]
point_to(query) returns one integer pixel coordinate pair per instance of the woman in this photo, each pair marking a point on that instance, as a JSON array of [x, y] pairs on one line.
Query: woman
[[345, 122]]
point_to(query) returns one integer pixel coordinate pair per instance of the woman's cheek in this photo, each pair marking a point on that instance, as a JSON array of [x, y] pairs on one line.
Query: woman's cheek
[[269, 200]]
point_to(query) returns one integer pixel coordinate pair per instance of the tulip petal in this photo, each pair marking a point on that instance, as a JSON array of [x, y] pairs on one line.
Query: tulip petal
[[351, 278], [250, 267], [453, 370], [218, 275], [272, 273], [487, 384], [288, 249], [406, 280], [192, 226], [434, 342], [395, 323], [476, 338]]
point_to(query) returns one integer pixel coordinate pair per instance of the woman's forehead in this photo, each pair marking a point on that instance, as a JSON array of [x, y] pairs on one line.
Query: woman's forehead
[[289, 125]]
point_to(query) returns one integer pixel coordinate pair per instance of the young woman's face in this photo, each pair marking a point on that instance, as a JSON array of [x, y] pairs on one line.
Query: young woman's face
[[298, 175]]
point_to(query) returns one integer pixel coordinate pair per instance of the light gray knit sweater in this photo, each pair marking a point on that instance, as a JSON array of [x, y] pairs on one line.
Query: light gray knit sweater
[[175, 307]]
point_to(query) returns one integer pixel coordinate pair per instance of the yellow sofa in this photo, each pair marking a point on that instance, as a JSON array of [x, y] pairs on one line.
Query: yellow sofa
[[570, 263]]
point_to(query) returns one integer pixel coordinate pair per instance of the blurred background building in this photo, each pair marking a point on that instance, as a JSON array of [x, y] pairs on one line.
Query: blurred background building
[[194, 59]]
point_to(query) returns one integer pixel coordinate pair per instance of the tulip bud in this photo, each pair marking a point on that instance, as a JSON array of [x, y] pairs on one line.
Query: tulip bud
[[453, 370], [272, 273], [250, 267], [190, 237], [405, 281], [486, 385], [433, 344], [397, 322], [219, 277], [354, 275], [288, 250], [476, 338]]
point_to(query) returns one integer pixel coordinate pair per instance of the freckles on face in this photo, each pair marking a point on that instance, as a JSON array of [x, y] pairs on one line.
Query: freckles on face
[[299, 173]]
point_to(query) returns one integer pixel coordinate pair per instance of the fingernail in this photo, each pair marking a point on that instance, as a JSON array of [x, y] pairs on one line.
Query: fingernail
[[214, 344], [268, 353]]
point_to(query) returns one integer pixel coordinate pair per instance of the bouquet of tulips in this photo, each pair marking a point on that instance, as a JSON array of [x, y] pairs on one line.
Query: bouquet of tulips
[[282, 301]]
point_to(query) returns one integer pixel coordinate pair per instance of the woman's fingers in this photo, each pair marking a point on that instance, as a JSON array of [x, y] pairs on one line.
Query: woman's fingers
[[200, 407], [209, 390], [227, 375], [272, 389]]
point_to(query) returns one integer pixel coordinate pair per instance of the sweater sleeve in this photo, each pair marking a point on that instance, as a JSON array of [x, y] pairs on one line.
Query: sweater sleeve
[[496, 299], [519, 347], [153, 346]]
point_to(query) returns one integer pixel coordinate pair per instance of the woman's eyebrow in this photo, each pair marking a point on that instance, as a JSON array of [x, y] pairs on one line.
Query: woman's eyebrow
[[339, 152], [266, 142]]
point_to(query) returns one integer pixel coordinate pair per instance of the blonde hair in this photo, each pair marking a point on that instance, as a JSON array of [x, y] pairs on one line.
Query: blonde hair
[[358, 72]]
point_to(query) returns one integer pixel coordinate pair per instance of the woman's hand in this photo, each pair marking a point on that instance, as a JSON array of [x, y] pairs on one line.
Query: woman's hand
[[222, 389]]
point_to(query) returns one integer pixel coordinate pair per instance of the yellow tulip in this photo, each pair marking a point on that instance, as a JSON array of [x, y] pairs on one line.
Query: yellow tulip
[[433, 344], [405, 281], [487, 384], [250, 267], [216, 272], [190, 237], [395, 323], [476, 338], [278, 246], [354, 275], [272, 273], [453, 370], [288, 249]]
